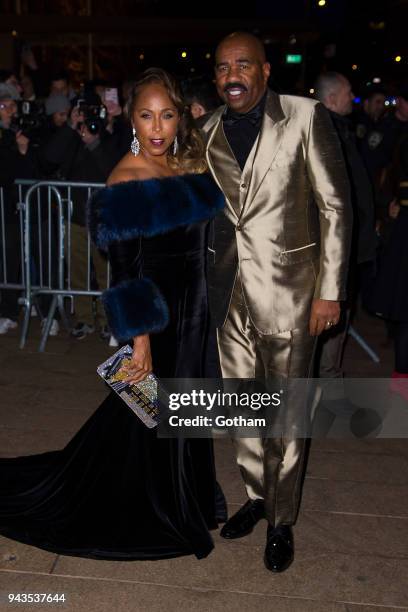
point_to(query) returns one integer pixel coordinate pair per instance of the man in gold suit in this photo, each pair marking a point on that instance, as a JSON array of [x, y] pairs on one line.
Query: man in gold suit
[[277, 263]]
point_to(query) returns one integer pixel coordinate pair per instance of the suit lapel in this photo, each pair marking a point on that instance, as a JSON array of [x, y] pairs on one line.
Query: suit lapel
[[223, 164], [270, 138]]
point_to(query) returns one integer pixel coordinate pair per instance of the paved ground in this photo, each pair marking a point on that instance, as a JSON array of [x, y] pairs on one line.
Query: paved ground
[[351, 537]]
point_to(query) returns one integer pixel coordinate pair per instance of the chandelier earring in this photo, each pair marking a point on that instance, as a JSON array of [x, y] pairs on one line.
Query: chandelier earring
[[175, 146], [135, 146]]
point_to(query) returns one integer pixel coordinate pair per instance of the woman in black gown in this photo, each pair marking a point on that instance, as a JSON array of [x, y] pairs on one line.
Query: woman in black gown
[[117, 491]]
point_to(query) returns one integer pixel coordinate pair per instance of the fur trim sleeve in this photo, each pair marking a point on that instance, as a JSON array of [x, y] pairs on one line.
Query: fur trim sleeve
[[135, 307], [150, 207]]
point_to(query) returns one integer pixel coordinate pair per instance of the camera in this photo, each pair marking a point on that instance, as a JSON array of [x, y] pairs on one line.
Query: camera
[[30, 119], [95, 116]]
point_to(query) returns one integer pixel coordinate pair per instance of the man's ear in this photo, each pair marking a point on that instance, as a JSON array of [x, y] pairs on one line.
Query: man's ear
[[266, 70], [331, 102]]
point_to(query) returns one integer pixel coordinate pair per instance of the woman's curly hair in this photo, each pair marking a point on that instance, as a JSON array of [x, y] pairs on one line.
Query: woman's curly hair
[[190, 156]]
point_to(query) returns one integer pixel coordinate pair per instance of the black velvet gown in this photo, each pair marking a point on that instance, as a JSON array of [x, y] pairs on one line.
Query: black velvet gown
[[117, 491]]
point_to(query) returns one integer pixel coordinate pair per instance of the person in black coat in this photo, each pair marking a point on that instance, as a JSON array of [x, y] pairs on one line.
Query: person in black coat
[[334, 91], [79, 152], [388, 296], [17, 160]]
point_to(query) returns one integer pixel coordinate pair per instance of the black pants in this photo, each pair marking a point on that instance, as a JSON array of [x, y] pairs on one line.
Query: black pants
[[401, 346], [9, 297]]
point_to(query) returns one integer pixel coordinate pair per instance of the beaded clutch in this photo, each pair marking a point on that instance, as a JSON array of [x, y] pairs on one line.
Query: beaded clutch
[[143, 397]]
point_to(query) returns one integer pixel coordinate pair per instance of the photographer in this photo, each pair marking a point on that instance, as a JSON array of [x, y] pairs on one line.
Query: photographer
[[57, 109], [83, 151], [17, 160]]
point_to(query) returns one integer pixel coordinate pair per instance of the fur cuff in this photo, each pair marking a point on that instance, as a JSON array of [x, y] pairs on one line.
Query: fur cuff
[[135, 307]]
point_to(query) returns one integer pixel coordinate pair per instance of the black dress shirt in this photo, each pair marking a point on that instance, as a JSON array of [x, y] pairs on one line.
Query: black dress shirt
[[241, 130]]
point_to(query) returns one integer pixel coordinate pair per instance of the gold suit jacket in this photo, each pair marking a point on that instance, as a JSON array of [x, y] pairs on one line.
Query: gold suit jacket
[[286, 227]]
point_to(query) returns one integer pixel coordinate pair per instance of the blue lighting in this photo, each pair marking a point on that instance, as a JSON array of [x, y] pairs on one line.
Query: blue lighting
[[357, 100]]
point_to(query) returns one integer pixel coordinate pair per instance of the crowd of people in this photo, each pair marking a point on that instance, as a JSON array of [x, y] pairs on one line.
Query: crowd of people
[[79, 136], [238, 244]]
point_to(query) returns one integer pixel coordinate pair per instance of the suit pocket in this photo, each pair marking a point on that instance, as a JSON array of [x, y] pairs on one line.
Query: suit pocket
[[308, 252]]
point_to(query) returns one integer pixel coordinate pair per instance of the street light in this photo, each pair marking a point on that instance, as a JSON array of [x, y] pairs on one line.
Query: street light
[[397, 58]]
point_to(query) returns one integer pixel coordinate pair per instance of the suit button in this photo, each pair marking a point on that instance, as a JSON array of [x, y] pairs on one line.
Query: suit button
[[243, 185], [238, 228]]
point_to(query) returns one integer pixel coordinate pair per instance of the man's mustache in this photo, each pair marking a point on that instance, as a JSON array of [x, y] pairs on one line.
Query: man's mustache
[[234, 86]]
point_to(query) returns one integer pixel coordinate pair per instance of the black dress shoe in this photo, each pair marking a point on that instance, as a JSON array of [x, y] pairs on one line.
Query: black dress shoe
[[243, 521], [279, 548]]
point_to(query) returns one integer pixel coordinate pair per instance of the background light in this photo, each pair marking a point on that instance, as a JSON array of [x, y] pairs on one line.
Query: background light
[[322, 3], [311, 90], [208, 56], [376, 80], [377, 25], [294, 58], [397, 58], [141, 56], [354, 67], [357, 100], [184, 54]]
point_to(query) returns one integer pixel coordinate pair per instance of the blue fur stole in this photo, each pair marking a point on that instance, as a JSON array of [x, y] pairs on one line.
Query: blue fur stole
[[152, 206]]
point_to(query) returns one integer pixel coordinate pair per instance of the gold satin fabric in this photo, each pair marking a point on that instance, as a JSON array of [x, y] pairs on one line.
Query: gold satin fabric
[[271, 468], [291, 212], [285, 239]]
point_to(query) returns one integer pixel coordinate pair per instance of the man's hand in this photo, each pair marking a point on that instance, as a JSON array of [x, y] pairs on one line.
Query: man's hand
[[141, 363], [393, 209], [324, 314], [87, 137], [75, 118], [22, 142]]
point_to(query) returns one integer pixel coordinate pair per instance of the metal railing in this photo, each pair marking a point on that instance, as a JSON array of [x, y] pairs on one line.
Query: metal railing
[[8, 209], [46, 209]]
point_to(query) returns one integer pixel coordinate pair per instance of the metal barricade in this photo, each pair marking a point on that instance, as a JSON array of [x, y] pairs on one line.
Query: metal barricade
[[48, 250], [12, 204]]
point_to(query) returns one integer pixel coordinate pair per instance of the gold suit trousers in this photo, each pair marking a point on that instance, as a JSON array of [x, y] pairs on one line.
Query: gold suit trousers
[[272, 468]]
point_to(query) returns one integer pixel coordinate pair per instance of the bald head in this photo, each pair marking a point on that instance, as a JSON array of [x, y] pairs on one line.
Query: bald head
[[238, 38], [334, 91], [241, 71]]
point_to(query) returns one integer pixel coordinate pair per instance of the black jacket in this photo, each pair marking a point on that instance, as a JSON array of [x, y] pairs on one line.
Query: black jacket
[[14, 165], [70, 159], [364, 239]]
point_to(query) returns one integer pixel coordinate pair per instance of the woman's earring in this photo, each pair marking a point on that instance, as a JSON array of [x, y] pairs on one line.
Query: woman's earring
[[175, 146], [135, 146]]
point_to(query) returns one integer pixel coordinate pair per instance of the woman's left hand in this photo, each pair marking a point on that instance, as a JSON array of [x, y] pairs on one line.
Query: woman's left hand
[[141, 364]]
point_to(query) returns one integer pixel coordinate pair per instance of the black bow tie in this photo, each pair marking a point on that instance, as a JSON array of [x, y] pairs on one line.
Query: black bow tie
[[253, 116]]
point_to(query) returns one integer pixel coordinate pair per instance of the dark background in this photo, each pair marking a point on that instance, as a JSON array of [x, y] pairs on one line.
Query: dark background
[[117, 39]]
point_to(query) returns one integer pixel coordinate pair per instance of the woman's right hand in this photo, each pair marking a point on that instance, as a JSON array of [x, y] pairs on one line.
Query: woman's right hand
[[140, 365]]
